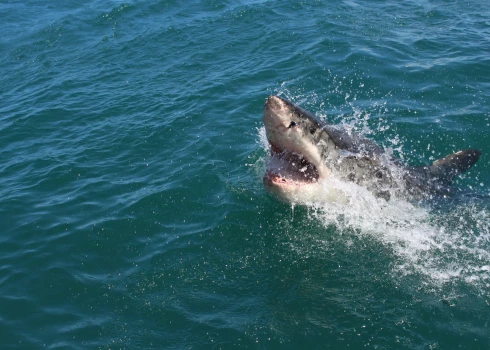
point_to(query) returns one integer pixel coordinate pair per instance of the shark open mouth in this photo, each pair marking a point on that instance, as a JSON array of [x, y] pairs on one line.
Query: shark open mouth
[[289, 168]]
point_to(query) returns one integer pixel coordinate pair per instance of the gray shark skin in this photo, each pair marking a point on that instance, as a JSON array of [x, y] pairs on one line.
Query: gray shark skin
[[306, 151]]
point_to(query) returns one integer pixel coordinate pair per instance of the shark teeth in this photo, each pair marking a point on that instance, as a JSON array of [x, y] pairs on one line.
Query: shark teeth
[[286, 167]]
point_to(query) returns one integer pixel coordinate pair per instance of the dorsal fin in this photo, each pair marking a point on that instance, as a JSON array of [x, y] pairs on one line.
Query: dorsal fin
[[447, 168]]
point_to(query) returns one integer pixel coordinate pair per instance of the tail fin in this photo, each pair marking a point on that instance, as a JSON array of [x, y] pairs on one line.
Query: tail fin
[[447, 168]]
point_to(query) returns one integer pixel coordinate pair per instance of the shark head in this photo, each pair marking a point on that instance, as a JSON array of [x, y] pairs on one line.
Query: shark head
[[298, 149]]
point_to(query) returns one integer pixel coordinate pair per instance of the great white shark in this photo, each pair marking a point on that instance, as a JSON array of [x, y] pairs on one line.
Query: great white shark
[[307, 151]]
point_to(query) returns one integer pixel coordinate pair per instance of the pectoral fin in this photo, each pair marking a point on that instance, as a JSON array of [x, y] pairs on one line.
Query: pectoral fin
[[447, 168]]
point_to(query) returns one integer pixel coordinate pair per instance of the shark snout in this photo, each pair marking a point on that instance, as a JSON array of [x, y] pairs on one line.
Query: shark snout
[[277, 112], [274, 103]]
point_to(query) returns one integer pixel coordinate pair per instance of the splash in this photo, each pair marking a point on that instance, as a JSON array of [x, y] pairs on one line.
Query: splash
[[441, 246]]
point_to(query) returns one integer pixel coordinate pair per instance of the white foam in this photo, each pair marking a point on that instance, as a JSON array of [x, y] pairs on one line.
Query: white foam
[[263, 139], [427, 243]]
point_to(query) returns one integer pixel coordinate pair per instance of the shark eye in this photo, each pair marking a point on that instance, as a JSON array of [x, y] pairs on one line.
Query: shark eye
[[292, 124]]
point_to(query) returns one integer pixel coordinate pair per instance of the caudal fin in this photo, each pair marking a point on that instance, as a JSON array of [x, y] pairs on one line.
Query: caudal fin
[[447, 168]]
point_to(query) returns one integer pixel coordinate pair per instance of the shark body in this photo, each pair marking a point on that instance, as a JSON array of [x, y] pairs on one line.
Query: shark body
[[307, 151]]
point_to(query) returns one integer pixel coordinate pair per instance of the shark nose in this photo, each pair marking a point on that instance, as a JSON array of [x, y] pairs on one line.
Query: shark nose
[[274, 102]]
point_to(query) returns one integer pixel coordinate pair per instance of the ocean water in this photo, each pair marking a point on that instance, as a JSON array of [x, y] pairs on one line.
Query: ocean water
[[133, 214]]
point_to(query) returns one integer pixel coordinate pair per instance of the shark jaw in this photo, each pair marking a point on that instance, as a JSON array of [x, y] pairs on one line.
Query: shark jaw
[[296, 166]]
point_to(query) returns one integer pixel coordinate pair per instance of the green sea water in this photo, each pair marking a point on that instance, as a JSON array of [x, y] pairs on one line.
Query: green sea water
[[133, 214]]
